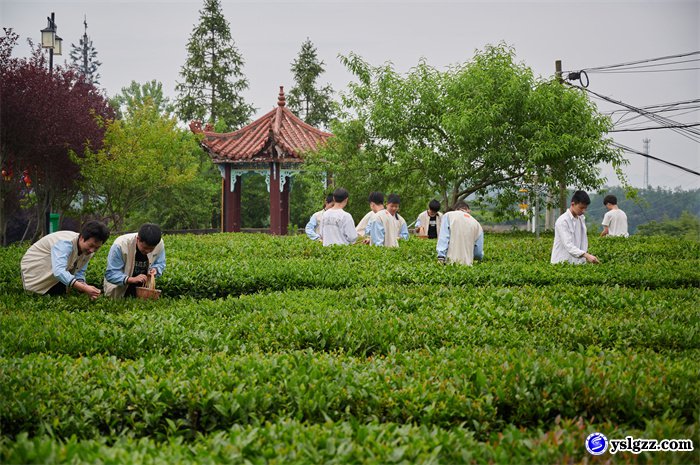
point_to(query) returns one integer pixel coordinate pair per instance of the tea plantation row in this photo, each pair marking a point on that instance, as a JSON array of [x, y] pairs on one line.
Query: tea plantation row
[[361, 322], [277, 350], [220, 265]]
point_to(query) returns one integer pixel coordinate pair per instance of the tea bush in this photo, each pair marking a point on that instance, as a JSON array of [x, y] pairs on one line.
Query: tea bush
[[277, 350]]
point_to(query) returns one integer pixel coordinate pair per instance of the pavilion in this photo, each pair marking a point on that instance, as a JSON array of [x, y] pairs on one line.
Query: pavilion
[[272, 146]]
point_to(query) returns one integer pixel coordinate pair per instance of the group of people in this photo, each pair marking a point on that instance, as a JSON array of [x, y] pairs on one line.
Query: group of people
[[57, 263], [460, 237]]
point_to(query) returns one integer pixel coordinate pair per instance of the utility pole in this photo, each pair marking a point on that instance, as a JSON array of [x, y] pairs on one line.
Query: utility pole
[[646, 162], [562, 185]]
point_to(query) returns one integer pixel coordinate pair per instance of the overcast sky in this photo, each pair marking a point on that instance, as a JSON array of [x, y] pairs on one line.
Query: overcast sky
[[145, 40]]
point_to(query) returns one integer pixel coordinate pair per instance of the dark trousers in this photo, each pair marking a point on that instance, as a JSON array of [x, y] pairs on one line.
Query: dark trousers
[[58, 289]]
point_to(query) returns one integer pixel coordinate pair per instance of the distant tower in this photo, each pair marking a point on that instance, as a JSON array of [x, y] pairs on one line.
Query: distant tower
[[646, 162], [84, 58]]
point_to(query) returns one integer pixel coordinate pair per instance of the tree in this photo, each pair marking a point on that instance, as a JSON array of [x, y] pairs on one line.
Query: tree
[[51, 114], [84, 58], [687, 226], [645, 205], [483, 127], [136, 95], [213, 79], [311, 104], [147, 171]]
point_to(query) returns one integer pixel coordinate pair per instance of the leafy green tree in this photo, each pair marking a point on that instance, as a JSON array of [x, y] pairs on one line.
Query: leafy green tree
[[84, 58], [136, 95], [212, 75], [482, 127], [647, 205], [149, 170], [686, 226], [312, 104]]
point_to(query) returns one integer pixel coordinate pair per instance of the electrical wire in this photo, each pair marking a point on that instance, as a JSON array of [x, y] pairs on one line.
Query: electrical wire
[[648, 60], [691, 133], [631, 150], [644, 71], [649, 128]]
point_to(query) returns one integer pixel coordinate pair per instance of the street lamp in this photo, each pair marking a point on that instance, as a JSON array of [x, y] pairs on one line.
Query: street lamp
[[50, 40]]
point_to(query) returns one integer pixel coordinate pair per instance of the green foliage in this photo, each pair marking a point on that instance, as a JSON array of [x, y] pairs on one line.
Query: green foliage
[[147, 171], [307, 197], [313, 105], [138, 95], [687, 226], [255, 202], [485, 126], [276, 349], [648, 205], [212, 76]]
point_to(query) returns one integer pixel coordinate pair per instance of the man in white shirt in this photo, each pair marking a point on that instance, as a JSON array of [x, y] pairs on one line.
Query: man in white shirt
[[459, 237], [570, 240], [376, 203], [58, 261], [387, 226], [337, 225], [314, 224], [615, 220]]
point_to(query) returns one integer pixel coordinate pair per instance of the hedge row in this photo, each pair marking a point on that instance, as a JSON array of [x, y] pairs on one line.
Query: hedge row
[[483, 389], [361, 322], [293, 442], [224, 264]]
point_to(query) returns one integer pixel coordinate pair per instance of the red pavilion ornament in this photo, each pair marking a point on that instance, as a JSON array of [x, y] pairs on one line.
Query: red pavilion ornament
[[26, 179]]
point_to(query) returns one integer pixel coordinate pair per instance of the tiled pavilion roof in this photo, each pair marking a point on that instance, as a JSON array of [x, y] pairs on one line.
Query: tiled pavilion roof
[[278, 135]]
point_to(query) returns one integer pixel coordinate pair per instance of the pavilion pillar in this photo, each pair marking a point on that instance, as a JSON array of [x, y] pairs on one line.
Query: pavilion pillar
[[284, 207], [232, 201], [275, 200]]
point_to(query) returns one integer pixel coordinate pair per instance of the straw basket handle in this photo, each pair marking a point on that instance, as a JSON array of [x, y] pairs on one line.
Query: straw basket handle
[[150, 282]]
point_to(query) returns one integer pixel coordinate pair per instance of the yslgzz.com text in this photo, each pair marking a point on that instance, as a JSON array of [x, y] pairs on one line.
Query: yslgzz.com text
[[636, 446]]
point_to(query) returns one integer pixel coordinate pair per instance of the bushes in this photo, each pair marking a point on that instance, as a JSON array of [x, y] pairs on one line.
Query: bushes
[[268, 349], [360, 322], [483, 388]]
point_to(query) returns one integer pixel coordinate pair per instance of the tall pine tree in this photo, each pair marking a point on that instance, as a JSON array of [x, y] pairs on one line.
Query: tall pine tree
[[84, 58], [213, 80], [312, 104]]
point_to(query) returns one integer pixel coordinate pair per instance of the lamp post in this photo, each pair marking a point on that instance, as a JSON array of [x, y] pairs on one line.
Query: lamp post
[[51, 41]]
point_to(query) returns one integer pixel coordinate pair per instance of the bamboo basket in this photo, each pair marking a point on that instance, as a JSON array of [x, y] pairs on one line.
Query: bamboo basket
[[148, 291]]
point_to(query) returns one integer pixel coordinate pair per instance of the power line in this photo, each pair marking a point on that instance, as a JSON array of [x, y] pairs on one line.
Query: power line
[[690, 133], [654, 65], [648, 60], [649, 128], [642, 71], [631, 150], [666, 105], [622, 120]]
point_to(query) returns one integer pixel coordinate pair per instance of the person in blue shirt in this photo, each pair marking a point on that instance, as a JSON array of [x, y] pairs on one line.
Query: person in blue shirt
[[387, 226], [132, 259], [58, 261], [461, 238], [314, 224]]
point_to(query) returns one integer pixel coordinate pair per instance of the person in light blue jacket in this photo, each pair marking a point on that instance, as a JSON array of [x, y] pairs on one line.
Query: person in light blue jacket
[[387, 226], [445, 234], [58, 262], [314, 224], [132, 259]]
